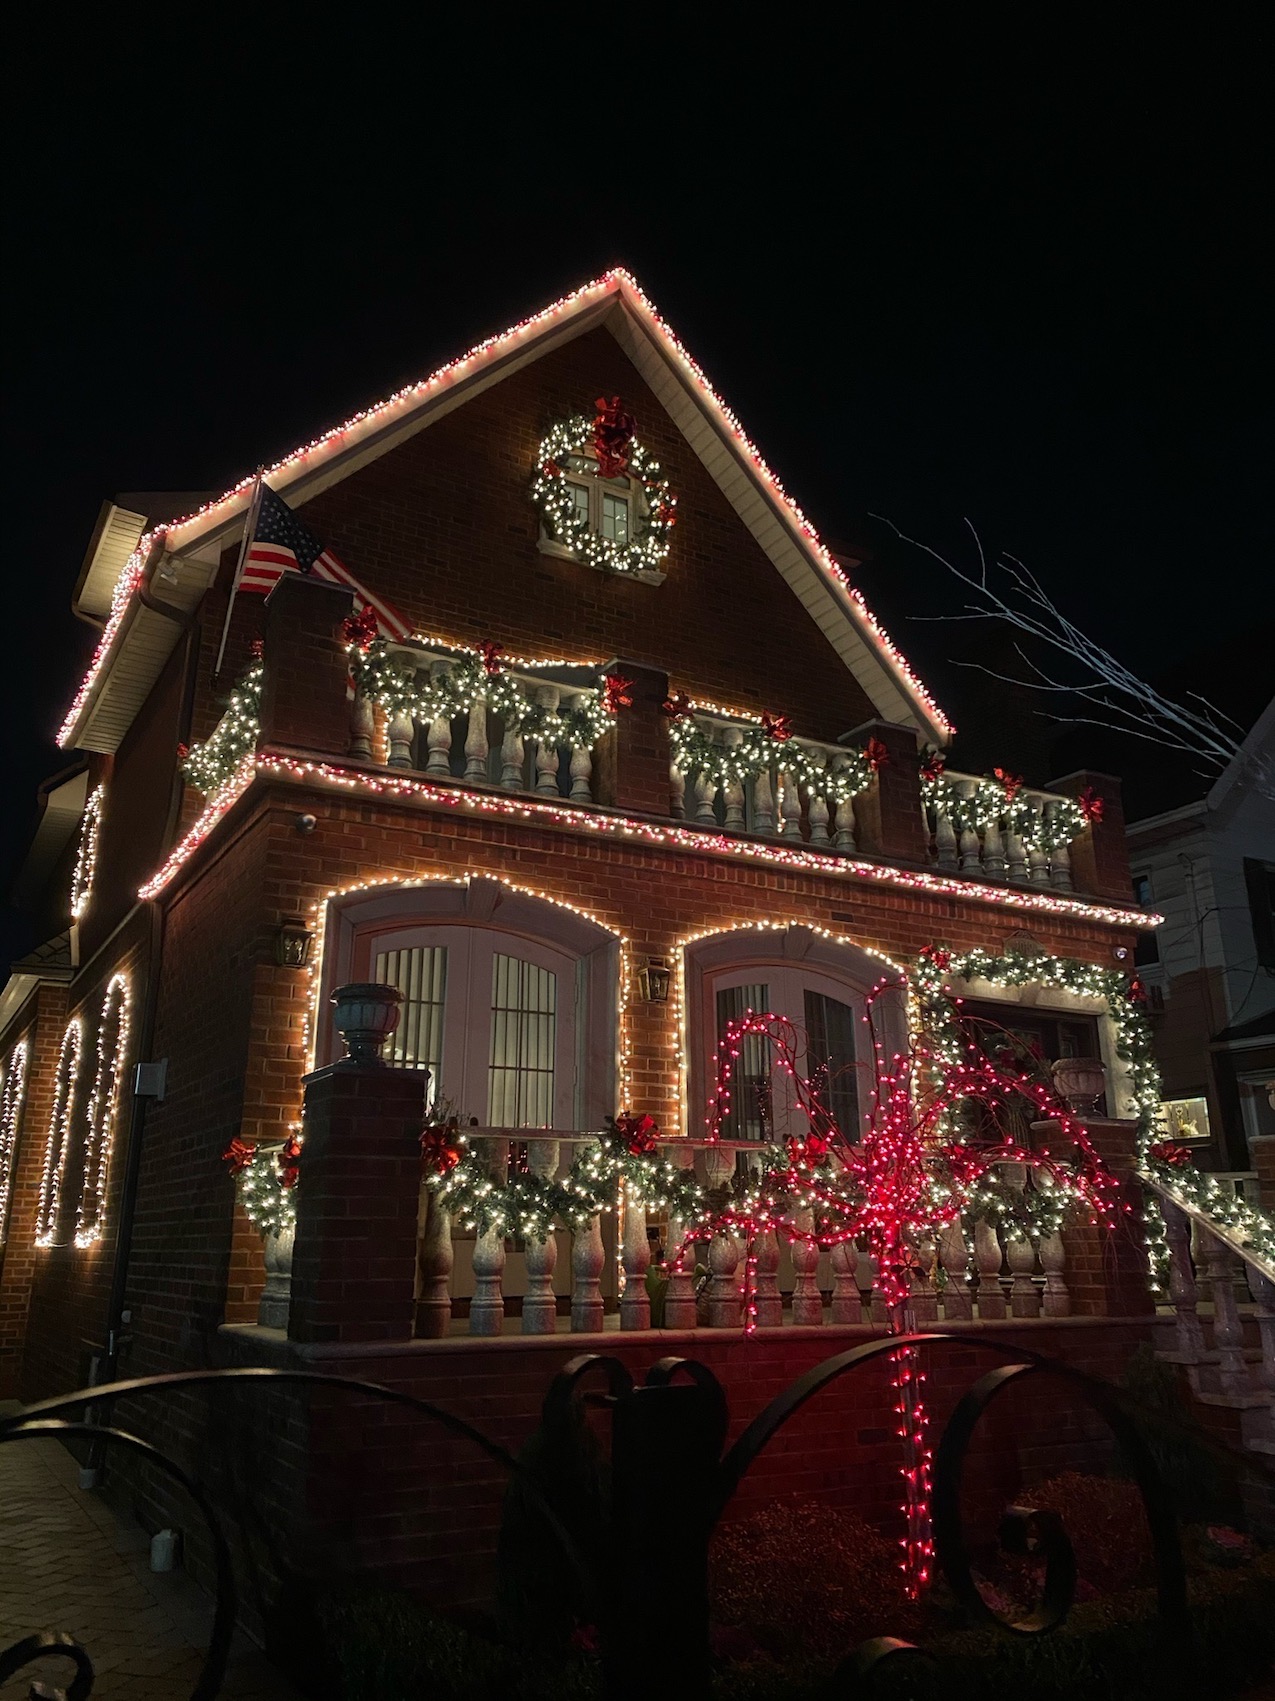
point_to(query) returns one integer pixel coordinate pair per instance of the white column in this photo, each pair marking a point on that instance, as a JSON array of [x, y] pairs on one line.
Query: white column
[[587, 1258], [487, 1307], [635, 1254], [987, 1255], [434, 1260], [511, 758], [539, 1307], [362, 726], [763, 802], [846, 1305], [807, 1301], [954, 1255]]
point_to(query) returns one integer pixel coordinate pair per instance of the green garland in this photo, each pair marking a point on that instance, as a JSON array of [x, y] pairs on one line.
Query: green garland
[[210, 764], [994, 804], [268, 1204], [390, 678], [649, 545], [696, 752]]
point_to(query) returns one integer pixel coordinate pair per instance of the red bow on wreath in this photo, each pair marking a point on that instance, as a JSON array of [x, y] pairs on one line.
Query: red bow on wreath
[[677, 705], [440, 1146], [1177, 1157], [937, 955], [932, 766], [1013, 783], [810, 1151], [639, 1134], [666, 514], [183, 751], [290, 1161], [876, 754], [617, 688], [612, 437], [360, 630], [490, 655], [551, 469], [1137, 990], [778, 727], [238, 1154], [1091, 805]]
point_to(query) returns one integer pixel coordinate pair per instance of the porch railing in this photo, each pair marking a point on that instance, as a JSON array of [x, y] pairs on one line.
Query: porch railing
[[771, 802], [993, 853]]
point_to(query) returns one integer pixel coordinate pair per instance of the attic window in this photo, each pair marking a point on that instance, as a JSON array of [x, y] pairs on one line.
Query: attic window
[[602, 498]]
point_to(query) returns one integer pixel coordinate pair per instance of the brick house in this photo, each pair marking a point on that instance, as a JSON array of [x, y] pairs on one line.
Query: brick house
[[570, 924]]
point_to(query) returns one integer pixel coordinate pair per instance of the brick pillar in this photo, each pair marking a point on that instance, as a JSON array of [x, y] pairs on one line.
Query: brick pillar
[[888, 815], [354, 1262], [303, 701], [1262, 1158], [1100, 856], [633, 764], [1106, 1270]]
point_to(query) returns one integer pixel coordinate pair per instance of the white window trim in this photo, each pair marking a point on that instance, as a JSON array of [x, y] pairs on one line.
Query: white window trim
[[629, 486]]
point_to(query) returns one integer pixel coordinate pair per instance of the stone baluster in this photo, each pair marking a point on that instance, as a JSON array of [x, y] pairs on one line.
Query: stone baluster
[[789, 807], [487, 1307], [679, 1301], [1016, 856], [402, 733], [874, 1306], [954, 1255], [923, 1300], [511, 758], [725, 1309], [1059, 858], [581, 764], [971, 850], [1263, 1290], [705, 792], [763, 802], [587, 1258], [807, 1301], [1056, 1300], [362, 726], [1228, 1331], [539, 1307], [1037, 861], [846, 1305], [945, 840], [434, 1260], [635, 1255], [1020, 1254], [988, 1257], [994, 864], [1188, 1330], [476, 746], [276, 1295], [733, 790], [438, 740], [767, 1299], [677, 792], [547, 749], [817, 811], [843, 821]]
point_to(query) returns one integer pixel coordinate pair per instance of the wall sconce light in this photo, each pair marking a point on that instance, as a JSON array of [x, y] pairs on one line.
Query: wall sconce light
[[654, 980], [292, 942]]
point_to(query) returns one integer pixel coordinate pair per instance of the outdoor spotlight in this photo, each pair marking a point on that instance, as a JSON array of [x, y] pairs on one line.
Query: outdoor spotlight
[[1120, 953], [654, 979], [306, 823], [292, 943]]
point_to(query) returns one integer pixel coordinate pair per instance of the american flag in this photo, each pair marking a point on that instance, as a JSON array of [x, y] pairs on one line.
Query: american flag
[[281, 544]]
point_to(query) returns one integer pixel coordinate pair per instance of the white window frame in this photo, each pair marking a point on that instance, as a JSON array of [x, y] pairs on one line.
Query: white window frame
[[634, 493]]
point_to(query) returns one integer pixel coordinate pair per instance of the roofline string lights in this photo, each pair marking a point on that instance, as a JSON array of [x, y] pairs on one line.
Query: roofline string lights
[[618, 281], [86, 855], [57, 1147], [13, 1091], [677, 836], [103, 1109]]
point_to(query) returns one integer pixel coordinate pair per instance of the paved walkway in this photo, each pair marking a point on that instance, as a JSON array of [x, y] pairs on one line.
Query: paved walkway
[[69, 1563]]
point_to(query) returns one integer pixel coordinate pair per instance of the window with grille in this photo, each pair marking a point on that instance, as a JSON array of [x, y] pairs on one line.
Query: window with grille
[[524, 1024], [420, 974], [751, 1114]]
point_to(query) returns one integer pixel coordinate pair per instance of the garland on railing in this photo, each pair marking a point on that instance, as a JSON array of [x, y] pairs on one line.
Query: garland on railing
[[392, 679], [267, 1177], [763, 746], [210, 764], [998, 800]]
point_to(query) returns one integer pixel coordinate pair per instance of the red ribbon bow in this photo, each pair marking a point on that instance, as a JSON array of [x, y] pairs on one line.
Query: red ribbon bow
[[932, 767], [440, 1146], [937, 955], [677, 705], [1168, 1152], [551, 469], [238, 1154], [360, 630], [810, 1151], [490, 655], [612, 437], [876, 753], [778, 727], [1091, 805], [290, 1161], [617, 689], [1138, 990], [640, 1134], [1013, 783], [665, 513], [258, 648]]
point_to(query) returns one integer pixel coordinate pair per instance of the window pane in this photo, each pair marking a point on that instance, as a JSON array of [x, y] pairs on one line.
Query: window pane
[[524, 1020], [830, 1059], [420, 974], [615, 517], [750, 1116], [580, 496]]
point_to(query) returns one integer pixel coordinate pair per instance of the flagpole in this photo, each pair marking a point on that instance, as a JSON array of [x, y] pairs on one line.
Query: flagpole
[[250, 525]]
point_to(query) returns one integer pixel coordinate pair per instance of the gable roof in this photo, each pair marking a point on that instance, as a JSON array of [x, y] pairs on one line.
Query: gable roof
[[145, 617]]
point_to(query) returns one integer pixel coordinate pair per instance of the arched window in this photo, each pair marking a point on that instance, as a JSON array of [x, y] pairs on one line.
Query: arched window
[[13, 1090], [820, 986], [103, 1110], [57, 1147], [510, 1001]]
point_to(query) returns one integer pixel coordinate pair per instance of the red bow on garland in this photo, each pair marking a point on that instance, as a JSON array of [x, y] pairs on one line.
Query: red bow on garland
[[290, 1161], [1013, 783], [640, 1134], [551, 469], [937, 955], [1091, 805], [183, 751], [1137, 990], [778, 727], [238, 1154], [876, 753], [490, 655], [932, 766], [665, 514], [359, 630], [677, 705], [440, 1146], [617, 688], [1177, 1157], [612, 437]]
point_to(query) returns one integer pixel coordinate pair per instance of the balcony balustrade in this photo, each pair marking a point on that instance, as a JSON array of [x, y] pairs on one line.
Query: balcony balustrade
[[993, 852]]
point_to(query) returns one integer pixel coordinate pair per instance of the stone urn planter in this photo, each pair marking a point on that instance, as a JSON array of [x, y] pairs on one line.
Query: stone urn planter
[[272, 1308], [366, 1013], [1080, 1082]]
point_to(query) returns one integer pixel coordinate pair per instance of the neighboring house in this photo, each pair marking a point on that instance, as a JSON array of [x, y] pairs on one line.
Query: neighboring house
[[1209, 868]]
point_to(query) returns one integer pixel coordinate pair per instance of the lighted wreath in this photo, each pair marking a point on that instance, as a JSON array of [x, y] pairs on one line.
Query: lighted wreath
[[616, 453]]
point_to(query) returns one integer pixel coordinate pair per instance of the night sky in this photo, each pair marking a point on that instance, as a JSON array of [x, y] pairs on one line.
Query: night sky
[[1009, 265]]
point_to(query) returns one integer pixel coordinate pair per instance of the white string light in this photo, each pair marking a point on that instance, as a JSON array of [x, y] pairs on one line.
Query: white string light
[[86, 855], [103, 1110], [13, 1090], [58, 1145]]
